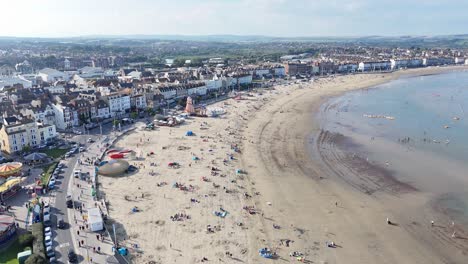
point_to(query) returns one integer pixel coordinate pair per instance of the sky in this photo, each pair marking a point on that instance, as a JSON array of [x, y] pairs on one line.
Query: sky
[[282, 18]]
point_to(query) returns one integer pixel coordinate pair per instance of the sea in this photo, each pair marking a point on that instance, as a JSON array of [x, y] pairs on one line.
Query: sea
[[418, 128]]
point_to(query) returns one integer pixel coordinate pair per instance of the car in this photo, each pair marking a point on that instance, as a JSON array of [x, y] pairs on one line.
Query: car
[[53, 260], [77, 173], [90, 140], [50, 251], [72, 258], [69, 201], [67, 155], [52, 181], [81, 149], [46, 206], [60, 223], [42, 146], [48, 241], [48, 231]]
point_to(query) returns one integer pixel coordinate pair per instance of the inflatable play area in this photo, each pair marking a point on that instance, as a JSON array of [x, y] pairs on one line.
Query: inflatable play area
[[114, 167]]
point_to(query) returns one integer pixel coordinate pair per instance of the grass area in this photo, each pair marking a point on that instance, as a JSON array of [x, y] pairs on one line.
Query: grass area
[[8, 256], [55, 153], [48, 170]]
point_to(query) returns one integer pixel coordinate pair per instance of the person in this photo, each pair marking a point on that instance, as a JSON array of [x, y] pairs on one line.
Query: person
[[432, 223], [78, 232], [388, 221]]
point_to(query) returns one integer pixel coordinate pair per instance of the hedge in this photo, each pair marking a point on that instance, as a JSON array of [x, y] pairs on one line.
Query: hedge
[[38, 242]]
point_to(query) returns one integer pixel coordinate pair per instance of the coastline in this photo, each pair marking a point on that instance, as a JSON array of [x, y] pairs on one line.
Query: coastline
[[404, 247], [294, 189]]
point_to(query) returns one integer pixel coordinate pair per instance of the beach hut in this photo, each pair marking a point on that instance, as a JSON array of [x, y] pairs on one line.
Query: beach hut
[[9, 169], [95, 221]]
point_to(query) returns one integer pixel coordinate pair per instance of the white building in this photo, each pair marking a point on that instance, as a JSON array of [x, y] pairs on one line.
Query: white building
[[279, 71], [118, 103], [51, 75], [459, 60], [214, 85], [261, 72], [374, 66], [55, 89], [138, 101], [100, 110], [64, 117], [6, 81], [91, 72]]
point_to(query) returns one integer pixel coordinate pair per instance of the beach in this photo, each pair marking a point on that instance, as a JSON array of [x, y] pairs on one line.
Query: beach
[[290, 186]]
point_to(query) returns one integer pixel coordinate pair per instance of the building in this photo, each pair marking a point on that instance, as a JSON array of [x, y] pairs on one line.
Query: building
[[118, 103], [99, 110], [10, 81], [374, 66], [138, 101], [64, 117], [51, 75], [41, 114], [6, 70], [16, 134], [295, 68]]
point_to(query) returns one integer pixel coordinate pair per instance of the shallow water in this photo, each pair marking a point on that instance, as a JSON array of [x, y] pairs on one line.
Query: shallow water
[[430, 130]]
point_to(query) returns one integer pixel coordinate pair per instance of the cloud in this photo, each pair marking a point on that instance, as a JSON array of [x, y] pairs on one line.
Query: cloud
[[259, 17]]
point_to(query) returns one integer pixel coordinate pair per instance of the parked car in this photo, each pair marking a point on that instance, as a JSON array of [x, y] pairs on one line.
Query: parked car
[[48, 241], [50, 252], [48, 231], [69, 201]]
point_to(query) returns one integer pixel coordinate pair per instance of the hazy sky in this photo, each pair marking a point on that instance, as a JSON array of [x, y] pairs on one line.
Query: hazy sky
[[53, 18]]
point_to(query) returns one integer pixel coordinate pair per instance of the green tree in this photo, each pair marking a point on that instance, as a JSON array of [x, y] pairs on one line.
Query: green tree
[[116, 122], [26, 239], [133, 115], [27, 148], [35, 259]]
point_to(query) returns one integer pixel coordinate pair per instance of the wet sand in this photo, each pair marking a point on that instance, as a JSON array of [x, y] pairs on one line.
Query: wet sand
[[293, 180]]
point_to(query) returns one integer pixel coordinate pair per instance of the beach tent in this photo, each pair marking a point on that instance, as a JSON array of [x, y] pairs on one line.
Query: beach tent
[[189, 133], [95, 219]]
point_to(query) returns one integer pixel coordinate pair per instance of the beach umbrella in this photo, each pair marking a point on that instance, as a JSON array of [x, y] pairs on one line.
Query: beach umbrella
[[10, 168], [36, 156]]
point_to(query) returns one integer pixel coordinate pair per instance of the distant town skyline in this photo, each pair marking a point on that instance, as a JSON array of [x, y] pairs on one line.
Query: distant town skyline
[[280, 18]]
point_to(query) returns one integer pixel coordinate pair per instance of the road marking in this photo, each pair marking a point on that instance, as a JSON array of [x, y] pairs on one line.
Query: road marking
[[64, 245]]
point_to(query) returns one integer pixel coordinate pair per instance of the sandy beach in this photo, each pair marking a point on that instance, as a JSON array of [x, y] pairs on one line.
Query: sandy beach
[[297, 189]]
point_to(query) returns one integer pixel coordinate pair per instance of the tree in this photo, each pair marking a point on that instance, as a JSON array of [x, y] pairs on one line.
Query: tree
[[26, 239], [35, 259], [27, 148], [133, 115], [116, 122]]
